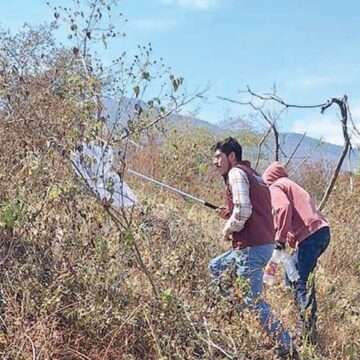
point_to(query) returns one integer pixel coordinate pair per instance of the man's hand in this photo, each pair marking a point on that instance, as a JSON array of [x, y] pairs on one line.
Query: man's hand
[[120, 169], [223, 212], [227, 234]]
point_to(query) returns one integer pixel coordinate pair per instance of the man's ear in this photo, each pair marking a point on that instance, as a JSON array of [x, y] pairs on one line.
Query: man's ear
[[232, 157]]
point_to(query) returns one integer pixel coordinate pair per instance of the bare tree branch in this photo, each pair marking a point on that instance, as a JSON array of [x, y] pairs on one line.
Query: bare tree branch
[[308, 156], [164, 115], [199, 336], [260, 145], [295, 150], [79, 354], [351, 180], [342, 103], [344, 109], [32, 346], [271, 122], [277, 99]]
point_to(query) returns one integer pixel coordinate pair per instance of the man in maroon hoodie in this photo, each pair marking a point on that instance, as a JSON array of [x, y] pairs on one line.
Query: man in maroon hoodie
[[250, 228], [298, 223]]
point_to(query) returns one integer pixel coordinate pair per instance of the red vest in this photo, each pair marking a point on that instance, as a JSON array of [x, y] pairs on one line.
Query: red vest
[[259, 228]]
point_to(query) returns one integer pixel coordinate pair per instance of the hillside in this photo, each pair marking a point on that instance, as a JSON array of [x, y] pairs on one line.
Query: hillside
[[83, 279], [325, 152]]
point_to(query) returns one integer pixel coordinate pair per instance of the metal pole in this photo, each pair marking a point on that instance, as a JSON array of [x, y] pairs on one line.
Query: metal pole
[[173, 189]]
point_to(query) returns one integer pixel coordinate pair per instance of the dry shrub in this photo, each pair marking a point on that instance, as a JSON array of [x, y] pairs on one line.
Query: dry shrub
[[73, 287], [314, 177], [71, 283]]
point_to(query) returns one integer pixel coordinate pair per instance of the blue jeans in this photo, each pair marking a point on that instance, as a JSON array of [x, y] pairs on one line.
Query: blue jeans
[[249, 264], [305, 258]]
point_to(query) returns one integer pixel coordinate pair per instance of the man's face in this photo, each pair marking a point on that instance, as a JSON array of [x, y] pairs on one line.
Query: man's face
[[221, 162]]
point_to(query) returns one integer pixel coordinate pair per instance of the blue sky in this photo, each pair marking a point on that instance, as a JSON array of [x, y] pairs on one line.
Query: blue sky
[[307, 48]]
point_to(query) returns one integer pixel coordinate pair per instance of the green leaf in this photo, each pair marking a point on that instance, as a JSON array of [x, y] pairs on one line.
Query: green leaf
[[129, 239], [145, 75], [202, 169], [175, 84], [10, 213]]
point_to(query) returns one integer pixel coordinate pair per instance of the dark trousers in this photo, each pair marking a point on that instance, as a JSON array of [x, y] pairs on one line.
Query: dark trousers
[[305, 257]]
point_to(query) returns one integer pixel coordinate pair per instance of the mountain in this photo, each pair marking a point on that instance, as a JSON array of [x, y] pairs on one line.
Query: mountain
[[128, 106], [320, 151], [324, 151]]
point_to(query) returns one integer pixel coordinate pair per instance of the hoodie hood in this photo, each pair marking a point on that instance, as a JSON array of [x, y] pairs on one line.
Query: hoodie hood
[[274, 172]]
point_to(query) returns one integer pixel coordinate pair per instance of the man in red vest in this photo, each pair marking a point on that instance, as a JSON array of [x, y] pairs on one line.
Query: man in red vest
[[250, 228]]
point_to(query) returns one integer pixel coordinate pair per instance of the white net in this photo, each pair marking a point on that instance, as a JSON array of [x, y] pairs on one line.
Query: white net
[[94, 163]]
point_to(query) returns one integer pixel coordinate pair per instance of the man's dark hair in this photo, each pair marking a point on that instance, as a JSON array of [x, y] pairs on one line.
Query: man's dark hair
[[227, 146]]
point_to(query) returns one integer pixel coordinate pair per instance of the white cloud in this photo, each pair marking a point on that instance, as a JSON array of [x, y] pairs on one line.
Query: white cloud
[[355, 113], [328, 126], [329, 129], [195, 4]]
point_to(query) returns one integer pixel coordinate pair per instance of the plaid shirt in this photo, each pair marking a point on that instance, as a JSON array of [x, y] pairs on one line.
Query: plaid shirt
[[240, 189]]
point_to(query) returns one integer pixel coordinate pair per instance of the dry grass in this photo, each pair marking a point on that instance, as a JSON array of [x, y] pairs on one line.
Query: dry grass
[[76, 287], [73, 291]]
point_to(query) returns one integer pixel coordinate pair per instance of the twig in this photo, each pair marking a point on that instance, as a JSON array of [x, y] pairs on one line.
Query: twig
[[294, 151], [152, 331], [208, 334], [271, 122], [145, 270], [342, 103], [163, 116], [209, 342], [118, 329], [78, 353], [351, 180], [280, 101], [344, 109], [350, 171], [59, 310], [306, 157], [32, 346], [260, 145], [355, 129], [14, 56]]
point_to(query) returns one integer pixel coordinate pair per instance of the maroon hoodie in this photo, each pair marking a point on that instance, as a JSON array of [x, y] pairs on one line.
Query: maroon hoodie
[[295, 214], [259, 228]]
